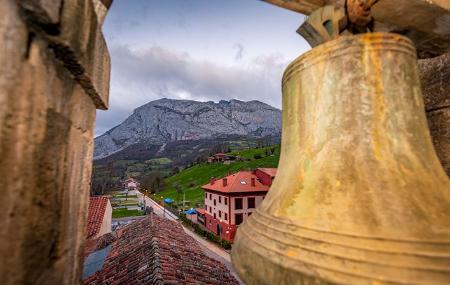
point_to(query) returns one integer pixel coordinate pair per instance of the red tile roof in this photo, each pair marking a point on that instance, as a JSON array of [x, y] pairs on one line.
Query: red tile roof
[[200, 210], [97, 207], [155, 250], [270, 171], [92, 245], [237, 183]]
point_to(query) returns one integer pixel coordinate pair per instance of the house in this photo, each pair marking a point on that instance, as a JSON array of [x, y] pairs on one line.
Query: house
[[266, 175], [221, 157], [153, 250], [200, 216], [99, 217], [230, 200], [130, 184]]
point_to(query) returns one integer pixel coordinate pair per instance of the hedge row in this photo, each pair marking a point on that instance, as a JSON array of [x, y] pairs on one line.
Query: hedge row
[[207, 234]]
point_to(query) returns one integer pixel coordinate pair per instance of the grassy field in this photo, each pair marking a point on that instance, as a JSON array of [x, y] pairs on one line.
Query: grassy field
[[191, 179], [159, 161], [122, 213], [125, 196], [251, 153]]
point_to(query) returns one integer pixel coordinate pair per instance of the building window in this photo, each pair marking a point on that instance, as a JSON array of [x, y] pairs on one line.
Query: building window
[[238, 203], [226, 201], [220, 199], [214, 202], [238, 219], [220, 214], [214, 215], [226, 217], [251, 202], [210, 210], [206, 195], [206, 208], [210, 196]]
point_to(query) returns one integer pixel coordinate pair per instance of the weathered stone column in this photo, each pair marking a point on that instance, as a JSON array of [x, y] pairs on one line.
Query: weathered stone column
[[435, 77], [55, 73]]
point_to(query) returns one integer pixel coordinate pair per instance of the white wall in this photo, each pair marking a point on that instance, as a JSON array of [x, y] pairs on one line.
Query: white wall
[[225, 208], [245, 211], [106, 223], [219, 206]]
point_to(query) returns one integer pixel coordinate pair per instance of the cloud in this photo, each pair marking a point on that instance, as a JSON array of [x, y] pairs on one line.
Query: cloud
[[140, 76], [239, 52]]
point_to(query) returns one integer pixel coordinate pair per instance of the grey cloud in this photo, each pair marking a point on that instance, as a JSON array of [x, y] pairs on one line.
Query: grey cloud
[[141, 76], [239, 52]]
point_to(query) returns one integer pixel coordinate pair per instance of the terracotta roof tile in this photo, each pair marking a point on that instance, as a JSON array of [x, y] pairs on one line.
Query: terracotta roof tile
[[200, 210], [236, 183], [158, 251], [97, 208]]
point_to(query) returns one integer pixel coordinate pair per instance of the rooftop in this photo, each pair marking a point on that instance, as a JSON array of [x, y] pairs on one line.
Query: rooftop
[[155, 250], [270, 171], [237, 183], [97, 208], [200, 211]]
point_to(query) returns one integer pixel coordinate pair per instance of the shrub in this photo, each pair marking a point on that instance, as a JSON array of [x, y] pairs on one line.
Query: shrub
[[207, 234], [225, 244]]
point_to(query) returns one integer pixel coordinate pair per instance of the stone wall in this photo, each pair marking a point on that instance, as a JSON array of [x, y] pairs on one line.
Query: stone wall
[[55, 73], [435, 77]]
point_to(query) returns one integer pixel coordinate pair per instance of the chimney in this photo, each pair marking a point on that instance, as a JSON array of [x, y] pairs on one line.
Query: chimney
[[253, 182], [225, 182]]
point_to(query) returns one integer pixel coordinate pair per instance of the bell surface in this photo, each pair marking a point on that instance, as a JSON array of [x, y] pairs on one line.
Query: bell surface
[[360, 196]]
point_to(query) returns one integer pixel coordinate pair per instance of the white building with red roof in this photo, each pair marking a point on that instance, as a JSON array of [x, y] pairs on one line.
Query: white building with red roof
[[130, 185], [99, 217], [231, 199]]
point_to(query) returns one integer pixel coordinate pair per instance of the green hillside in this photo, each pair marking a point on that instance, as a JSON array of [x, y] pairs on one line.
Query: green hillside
[[191, 179], [143, 160]]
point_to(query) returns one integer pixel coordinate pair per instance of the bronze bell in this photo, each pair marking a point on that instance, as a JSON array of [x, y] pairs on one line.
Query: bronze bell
[[360, 196]]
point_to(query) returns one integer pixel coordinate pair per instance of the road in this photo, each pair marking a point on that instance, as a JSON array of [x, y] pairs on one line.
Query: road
[[157, 208]]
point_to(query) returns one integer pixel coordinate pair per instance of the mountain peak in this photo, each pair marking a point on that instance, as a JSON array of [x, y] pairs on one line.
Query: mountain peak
[[166, 120]]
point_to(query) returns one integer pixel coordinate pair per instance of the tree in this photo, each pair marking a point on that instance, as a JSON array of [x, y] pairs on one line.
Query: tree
[[179, 190], [153, 181]]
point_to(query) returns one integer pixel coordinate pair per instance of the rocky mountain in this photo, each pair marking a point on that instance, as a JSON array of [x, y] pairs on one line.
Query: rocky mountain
[[166, 120]]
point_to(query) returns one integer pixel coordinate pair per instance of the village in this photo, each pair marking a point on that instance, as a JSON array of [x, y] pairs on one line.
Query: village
[[228, 201], [285, 142]]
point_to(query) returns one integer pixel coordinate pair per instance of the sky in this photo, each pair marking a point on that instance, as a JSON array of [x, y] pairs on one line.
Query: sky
[[204, 50]]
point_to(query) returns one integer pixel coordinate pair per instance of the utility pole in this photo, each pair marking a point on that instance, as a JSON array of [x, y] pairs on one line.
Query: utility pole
[[184, 197]]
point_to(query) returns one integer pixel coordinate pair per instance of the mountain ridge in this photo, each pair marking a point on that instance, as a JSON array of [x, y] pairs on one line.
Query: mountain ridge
[[164, 120]]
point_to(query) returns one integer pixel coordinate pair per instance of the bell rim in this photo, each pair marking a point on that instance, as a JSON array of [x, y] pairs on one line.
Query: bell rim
[[266, 243]]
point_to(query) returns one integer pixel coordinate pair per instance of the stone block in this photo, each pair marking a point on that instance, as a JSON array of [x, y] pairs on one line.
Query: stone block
[[46, 145], [77, 41], [435, 79], [45, 12], [82, 48]]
